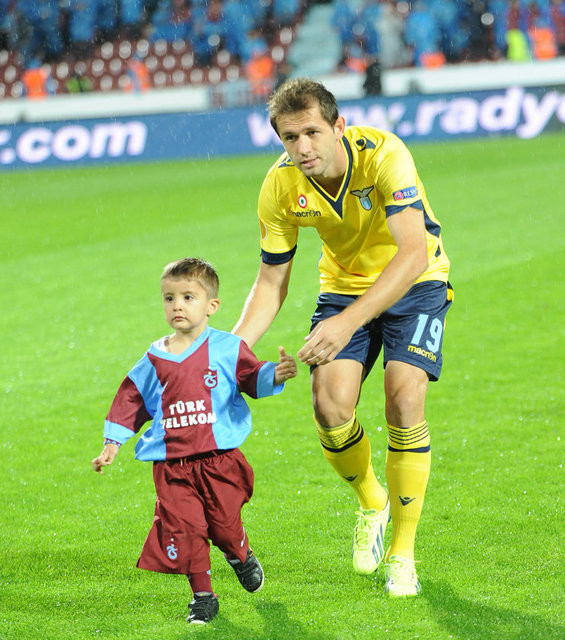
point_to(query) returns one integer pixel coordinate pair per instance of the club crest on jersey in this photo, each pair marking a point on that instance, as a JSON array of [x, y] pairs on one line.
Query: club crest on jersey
[[172, 552], [302, 201], [409, 192], [211, 378], [363, 195]]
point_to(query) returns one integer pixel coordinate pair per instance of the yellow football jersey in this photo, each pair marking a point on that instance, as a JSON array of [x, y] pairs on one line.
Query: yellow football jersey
[[380, 180]]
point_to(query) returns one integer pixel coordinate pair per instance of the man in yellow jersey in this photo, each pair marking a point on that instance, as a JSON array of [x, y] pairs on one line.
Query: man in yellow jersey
[[383, 285]]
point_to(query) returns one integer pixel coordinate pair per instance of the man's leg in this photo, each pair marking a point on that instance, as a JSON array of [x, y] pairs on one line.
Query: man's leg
[[335, 392], [407, 469]]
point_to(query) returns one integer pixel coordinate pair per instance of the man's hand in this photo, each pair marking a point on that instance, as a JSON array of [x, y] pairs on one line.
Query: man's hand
[[107, 456], [285, 369], [326, 340]]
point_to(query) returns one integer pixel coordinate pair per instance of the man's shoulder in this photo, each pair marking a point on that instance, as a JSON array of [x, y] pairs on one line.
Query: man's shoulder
[[282, 163], [366, 137]]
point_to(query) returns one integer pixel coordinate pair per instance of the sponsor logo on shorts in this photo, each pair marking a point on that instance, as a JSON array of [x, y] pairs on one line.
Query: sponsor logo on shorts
[[409, 192], [422, 352]]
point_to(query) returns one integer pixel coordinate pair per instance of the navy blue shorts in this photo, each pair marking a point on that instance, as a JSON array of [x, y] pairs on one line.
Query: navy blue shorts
[[410, 331]]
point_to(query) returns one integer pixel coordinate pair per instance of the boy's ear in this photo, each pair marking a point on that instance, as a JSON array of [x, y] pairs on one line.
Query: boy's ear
[[213, 305]]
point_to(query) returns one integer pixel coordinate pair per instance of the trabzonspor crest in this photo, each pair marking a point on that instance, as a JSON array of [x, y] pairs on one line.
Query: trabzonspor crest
[[211, 378]]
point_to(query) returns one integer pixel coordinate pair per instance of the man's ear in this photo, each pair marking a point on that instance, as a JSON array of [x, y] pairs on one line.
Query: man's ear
[[339, 127]]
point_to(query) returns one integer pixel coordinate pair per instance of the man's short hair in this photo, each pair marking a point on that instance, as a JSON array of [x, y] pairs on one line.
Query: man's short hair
[[194, 269], [300, 94]]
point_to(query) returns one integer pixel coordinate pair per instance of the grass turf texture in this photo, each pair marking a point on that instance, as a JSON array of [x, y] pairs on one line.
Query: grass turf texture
[[82, 252]]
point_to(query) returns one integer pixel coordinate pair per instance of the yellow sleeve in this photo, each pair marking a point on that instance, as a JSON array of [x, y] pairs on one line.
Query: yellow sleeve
[[278, 235], [397, 178]]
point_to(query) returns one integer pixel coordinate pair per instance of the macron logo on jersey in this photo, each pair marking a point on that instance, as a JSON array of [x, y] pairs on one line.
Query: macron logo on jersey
[[409, 192]]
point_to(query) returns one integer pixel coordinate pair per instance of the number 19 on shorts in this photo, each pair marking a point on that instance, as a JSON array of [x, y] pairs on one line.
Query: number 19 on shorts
[[428, 332]]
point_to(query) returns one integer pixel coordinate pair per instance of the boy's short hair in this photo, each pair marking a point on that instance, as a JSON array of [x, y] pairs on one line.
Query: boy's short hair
[[194, 269], [300, 94]]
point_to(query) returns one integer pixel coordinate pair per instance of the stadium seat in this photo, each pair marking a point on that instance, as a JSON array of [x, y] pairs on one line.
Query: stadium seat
[[125, 49], [98, 67], [116, 66], [187, 60], [62, 71], [214, 75], [106, 51]]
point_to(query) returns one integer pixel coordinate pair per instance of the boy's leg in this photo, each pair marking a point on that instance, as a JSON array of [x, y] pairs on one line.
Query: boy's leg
[[228, 486], [178, 539]]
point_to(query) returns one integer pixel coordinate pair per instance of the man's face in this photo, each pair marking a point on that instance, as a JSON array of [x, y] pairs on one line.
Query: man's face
[[312, 143]]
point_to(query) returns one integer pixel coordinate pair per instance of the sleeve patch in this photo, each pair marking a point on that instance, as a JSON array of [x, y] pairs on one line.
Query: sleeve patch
[[409, 192]]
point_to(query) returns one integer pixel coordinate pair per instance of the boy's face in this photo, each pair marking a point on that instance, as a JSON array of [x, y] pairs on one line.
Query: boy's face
[[187, 305]]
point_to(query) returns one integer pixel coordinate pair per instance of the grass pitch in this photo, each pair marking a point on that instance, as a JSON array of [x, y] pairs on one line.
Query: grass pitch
[[81, 256]]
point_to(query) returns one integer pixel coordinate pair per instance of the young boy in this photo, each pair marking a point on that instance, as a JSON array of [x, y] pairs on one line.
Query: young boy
[[190, 384]]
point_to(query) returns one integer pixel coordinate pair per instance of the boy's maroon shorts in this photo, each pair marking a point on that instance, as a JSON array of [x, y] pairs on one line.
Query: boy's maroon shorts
[[198, 500]]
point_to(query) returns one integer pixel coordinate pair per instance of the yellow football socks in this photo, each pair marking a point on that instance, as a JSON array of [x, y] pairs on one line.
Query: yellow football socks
[[408, 463], [348, 450]]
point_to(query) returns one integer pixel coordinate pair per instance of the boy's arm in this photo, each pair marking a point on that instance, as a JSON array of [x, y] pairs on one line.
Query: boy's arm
[[107, 456]]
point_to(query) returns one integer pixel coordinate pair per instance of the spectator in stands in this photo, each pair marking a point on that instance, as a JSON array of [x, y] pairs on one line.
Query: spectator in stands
[[208, 31], [557, 13], [343, 20], [78, 83], [421, 32], [500, 10], [82, 26], [354, 57], [238, 22], [107, 20], [131, 18], [452, 37], [389, 29], [255, 45], [471, 12], [542, 39], [373, 82], [258, 10], [518, 48], [285, 12], [42, 39], [260, 73], [365, 27], [138, 75], [172, 20], [35, 80]]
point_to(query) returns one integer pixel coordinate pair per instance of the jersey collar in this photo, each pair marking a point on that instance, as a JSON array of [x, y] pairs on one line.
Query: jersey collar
[[337, 202]]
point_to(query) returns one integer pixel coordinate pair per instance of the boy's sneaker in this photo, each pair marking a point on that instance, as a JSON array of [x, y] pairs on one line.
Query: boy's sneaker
[[249, 573], [203, 608], [401, 578], [369, 539]]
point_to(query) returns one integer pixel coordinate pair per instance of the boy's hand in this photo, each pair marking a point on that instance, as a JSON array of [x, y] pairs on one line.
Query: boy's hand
[[286, 368], [107, 456]]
